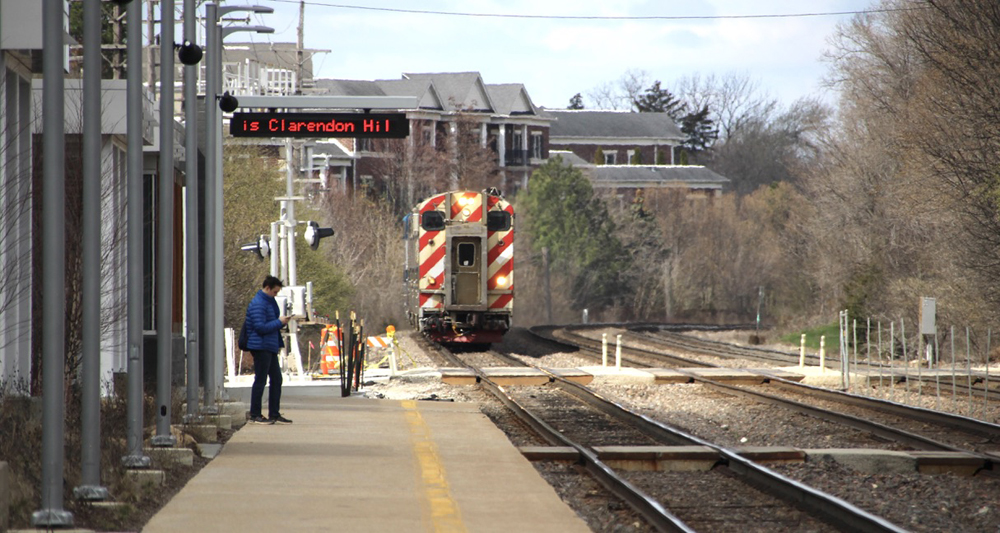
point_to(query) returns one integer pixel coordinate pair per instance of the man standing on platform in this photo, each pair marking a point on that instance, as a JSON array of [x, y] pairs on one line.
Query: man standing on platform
[[264, 322]]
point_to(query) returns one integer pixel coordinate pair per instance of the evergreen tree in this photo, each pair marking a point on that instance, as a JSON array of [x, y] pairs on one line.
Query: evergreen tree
[[599, 157], [658, 100], [562, 213], [576, 102], [700, 130], [636, 158]]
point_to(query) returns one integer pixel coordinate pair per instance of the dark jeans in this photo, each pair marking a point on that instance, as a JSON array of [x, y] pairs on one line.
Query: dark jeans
[[265, 365]]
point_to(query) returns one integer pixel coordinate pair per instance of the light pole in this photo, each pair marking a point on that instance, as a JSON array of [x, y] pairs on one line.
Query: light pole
[[136, 457], [52, 514], [214, 279], [194, 55], [165, 232]]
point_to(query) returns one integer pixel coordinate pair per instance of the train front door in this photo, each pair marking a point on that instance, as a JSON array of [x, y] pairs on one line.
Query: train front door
[[466, 270]]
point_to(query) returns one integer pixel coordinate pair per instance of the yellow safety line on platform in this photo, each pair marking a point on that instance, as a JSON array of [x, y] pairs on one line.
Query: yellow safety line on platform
[[444, 514]]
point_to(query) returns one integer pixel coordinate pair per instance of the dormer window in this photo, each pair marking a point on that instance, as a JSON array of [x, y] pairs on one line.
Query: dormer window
[[610, 158]]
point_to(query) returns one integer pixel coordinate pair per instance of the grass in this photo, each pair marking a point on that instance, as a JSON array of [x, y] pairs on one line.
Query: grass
[[813, 335]]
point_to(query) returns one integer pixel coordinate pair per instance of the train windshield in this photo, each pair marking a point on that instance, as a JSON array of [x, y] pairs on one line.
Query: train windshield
[[497, 221], [432, 221], [466, 254]]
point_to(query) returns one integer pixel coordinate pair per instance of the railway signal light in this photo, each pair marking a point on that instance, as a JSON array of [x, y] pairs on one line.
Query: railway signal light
[[314, 233], [262, 247]]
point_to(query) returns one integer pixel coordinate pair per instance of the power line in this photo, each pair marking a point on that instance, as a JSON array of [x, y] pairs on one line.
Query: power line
[[598, 17]]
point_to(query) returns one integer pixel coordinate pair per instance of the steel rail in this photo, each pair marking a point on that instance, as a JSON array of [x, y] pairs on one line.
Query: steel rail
[[645, 505], [678, 340], [831, 509], [716, 348], [595, 345], [918, 414], [887, 432]]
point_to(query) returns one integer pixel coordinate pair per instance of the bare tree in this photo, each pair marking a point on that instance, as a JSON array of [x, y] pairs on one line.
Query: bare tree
[[735, 99], [622, 93], [904, 194]]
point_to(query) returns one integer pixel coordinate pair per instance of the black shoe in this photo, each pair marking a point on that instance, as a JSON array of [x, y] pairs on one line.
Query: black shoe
[[280, 419], [258, 419]]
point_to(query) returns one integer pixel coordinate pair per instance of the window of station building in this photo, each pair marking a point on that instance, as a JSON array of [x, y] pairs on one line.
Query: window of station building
[[466, 254], [366, 145], [610, 158]]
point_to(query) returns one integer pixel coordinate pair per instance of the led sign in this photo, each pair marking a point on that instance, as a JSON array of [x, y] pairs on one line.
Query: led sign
[[371, 125]]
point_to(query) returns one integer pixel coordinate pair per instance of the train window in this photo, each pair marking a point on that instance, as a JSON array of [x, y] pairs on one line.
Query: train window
[[498, 221], [466, 254], [432, 221]]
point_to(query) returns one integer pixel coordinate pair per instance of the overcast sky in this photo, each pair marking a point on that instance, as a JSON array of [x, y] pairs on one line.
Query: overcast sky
[[557, 58]]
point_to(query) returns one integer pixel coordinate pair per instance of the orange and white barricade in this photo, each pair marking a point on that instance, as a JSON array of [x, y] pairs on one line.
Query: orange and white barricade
[[384, 344], [330, 354]]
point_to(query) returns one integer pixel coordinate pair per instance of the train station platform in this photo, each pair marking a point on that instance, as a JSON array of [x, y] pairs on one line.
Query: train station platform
[[358, 464]]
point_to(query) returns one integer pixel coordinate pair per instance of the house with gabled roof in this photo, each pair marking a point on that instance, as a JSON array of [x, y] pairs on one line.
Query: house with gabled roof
[[621, 150], [509, 124]]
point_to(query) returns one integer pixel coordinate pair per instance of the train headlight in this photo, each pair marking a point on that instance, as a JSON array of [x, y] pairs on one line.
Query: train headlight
[[463, 201], [430, 280], [465, 212], [502, 281]]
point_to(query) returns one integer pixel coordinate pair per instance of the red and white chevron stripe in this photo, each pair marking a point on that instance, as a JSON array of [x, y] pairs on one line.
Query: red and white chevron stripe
[[500, 260], [432, 251]]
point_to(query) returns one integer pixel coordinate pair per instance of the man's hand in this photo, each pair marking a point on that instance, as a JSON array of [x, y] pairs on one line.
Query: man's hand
[[283, 319]]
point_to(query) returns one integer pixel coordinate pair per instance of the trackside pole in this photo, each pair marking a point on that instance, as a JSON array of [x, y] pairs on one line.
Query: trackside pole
[[879, 327], [802, 351], [954, 385], [968, 366], [618, 353], [604, 349], [822, 353], [937, 376], [986, 383], [906, 362], [892, 353]]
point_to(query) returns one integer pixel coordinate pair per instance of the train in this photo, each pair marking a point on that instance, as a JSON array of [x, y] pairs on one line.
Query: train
[[459, 272]]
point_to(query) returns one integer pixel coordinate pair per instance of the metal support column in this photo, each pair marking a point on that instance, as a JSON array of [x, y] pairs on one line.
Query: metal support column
[[52, 513], [165, 233], [133, 259], [212, 345], [90, 416], [191, 206]]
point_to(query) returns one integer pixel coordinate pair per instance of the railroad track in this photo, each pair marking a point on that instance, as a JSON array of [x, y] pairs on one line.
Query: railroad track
[[568, 414], [978, 385], [913, 427]]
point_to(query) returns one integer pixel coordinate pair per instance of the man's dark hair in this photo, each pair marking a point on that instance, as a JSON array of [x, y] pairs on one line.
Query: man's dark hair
[[271, 281]]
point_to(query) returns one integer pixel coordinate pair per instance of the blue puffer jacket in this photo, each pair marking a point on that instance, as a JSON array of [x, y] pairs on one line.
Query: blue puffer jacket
[[263, 326]]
